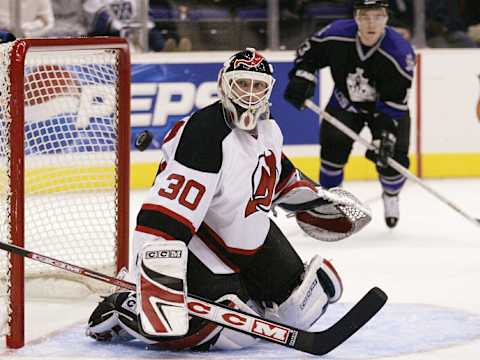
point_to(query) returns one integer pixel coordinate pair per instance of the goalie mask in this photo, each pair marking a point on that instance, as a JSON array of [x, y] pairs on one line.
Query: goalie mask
[[245, 84]]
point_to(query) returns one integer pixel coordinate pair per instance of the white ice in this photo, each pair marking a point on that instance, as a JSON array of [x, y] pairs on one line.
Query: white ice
[[429, 265]]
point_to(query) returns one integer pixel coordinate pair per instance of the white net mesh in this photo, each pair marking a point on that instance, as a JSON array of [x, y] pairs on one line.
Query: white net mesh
[[71, 131]]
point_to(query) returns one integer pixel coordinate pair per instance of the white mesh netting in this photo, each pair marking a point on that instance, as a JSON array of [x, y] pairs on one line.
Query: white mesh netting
[[71, 131]]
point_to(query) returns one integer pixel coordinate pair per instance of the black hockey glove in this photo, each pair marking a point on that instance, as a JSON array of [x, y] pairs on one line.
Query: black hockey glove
[[384, 131], [386, 149], [300, 88]]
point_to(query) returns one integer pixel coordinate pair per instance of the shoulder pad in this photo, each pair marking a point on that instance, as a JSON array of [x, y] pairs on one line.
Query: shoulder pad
[[339, 28], [200, 146], [399, 50]]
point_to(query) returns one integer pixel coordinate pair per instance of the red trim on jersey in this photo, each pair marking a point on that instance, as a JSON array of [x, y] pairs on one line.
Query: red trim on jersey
[[213, 249], [162, 166], [283, 182], [232, 250], [148, 230], [172, 214], [171, 134], [298, 184]]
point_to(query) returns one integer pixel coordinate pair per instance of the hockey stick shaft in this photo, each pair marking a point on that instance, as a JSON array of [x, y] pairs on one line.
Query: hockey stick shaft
[[391, 162], [317, 343]]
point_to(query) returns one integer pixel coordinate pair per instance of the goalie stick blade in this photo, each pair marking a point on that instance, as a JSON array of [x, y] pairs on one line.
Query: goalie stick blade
[[322, 342]]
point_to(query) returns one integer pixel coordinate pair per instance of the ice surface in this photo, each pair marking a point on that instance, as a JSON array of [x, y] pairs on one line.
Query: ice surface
[[429, 266]]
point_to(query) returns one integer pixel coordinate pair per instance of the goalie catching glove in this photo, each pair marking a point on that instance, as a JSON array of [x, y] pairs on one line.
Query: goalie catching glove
[[327, 215]]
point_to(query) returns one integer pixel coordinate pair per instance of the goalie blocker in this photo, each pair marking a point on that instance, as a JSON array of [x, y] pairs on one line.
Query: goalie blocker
[[327, 215]]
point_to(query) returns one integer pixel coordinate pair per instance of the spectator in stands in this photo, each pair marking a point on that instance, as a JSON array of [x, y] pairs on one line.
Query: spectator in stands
[[69, 18], [445, 26], [174, 13], [401, 17], [36, 17], [470, 10], [119, 18]]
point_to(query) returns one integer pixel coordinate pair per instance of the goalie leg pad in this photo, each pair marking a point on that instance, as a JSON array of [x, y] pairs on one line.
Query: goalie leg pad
[[320, 286], [230, 339], [162, 288]]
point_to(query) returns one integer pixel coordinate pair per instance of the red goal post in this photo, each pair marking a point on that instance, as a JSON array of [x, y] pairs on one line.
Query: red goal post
[[64, 160]]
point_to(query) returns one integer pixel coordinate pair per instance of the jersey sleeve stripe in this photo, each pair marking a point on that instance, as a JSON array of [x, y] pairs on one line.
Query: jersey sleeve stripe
[[288, 171], [335, 38], [155, 232], [282, 184], [157, 223], [170, 213], [171, 134], [214, 236], [389, 110], [217, 251], [402, 107], [396, 64]]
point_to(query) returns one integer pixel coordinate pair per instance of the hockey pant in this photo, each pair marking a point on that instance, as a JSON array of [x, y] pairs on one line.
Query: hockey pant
[[275, 278]]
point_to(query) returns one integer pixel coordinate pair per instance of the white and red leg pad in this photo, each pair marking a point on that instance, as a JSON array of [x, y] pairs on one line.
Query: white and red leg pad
[[162, 288], [320, 286], [231, 339]]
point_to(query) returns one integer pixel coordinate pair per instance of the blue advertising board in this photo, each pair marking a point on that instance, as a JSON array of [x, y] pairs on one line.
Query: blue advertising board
[[163, 93]]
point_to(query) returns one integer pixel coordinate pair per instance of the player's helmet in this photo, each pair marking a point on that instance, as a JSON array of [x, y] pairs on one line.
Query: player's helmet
[[369, 4], [245, 84]]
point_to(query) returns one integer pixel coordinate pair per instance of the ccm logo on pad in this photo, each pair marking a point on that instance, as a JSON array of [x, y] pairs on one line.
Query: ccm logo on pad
[[240, 321], [163, 254]]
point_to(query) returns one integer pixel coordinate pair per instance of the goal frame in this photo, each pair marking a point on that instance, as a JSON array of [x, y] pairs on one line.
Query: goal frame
[[16, 337]]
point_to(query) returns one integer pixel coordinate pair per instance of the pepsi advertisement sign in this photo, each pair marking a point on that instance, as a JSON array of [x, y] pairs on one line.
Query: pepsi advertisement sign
[[163, 93]]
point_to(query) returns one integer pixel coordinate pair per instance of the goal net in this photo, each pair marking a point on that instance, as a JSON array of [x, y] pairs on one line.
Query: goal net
[[64, 164]]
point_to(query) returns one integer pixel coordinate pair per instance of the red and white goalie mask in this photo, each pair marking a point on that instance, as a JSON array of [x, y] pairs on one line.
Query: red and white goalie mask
[[245, 84]]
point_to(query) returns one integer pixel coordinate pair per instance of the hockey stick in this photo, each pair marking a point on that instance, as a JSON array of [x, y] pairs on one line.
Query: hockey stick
[[391, 162], [317, 343]]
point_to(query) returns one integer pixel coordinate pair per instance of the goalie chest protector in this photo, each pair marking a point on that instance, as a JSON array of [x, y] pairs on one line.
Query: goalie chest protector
[[218, 178]]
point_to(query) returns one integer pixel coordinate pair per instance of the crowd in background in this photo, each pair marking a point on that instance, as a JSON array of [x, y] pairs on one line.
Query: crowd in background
[[184, 25]]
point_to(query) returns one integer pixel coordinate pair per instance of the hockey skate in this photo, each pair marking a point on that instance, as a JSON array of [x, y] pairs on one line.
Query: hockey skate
[[391, 209]]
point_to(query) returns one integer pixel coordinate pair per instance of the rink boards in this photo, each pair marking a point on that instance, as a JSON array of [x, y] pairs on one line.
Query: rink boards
[[166, 87], [445, 122]]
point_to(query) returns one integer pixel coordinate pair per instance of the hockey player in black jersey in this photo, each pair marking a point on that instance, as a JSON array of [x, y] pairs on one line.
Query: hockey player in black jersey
[[204, 226], [372, 67]]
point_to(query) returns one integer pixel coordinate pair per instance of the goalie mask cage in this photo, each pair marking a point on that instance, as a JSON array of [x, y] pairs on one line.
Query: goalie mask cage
[[64, 163]]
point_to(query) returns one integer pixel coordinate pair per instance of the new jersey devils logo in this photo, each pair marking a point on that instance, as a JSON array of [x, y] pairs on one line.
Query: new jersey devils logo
[[263, 184], [249, 63]]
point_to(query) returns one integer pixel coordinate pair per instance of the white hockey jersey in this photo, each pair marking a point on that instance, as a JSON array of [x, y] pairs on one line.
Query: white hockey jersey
[[215, 189], [121, 12]]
